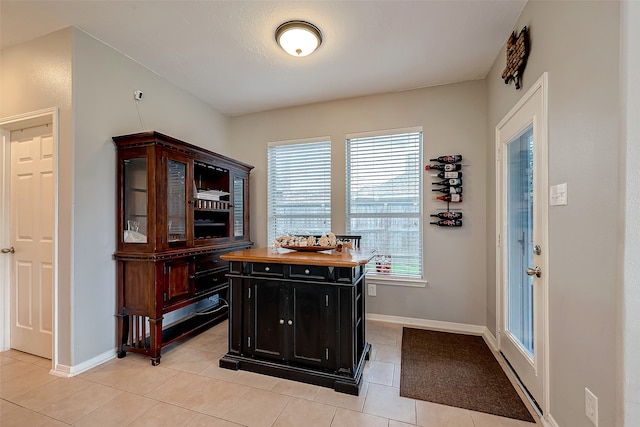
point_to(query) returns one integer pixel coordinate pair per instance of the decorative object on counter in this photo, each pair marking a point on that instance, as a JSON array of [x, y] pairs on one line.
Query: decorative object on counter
[[517, 52], [310, 248], [313, 243], [448, 223], [383, 263]]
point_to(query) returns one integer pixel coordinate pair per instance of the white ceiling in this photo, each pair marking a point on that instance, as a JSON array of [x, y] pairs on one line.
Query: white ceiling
[[224, 52]]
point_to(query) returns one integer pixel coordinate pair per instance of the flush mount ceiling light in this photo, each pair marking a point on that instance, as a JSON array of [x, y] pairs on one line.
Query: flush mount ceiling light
[[298, 38]]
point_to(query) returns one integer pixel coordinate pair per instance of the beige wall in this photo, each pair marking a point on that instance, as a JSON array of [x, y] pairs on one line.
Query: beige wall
[[578, 44], [35, 76], [103, 84], [93, 86], [453, 118]]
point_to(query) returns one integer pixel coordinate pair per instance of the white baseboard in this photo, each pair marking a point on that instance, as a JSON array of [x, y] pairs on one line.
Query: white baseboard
[[549, 421], [437, 325], [490, 339], [70, 371]]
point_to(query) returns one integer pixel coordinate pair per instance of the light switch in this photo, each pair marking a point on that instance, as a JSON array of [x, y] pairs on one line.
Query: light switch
[[558, 194]]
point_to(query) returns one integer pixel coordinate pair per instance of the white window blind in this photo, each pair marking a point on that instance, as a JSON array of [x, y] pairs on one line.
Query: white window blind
[[299, 189], [384, 200]]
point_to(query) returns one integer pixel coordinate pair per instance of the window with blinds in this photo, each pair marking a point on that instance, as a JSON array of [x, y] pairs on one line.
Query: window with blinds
[[384, 200], [299, 188]]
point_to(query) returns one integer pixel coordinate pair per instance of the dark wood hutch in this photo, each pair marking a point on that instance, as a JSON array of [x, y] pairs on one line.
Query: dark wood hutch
[[180, 207]]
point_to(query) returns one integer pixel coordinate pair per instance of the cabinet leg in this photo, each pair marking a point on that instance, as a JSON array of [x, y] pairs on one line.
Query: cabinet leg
[[123, 333], [155, 340], [229, 364], [347, 387]]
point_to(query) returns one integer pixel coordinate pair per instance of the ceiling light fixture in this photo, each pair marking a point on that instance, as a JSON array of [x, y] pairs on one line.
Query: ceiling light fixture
[[298, 38]]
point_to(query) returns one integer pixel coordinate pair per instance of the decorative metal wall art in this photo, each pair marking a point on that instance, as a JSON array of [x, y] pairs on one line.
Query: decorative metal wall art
[[517, 54]]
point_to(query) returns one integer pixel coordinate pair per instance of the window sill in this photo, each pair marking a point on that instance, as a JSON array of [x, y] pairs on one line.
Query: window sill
[[377, 279]]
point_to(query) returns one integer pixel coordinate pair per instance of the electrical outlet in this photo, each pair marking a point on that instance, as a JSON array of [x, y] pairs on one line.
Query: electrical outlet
[[371, 290], [591, 406]]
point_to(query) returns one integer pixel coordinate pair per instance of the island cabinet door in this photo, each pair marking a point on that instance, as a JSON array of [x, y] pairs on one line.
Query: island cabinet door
[[311, 325], [264, 307], [291, 322]]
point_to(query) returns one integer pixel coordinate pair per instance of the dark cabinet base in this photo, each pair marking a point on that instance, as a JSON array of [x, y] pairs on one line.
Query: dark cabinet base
[[343, 383], [298, 316], [136, 342]]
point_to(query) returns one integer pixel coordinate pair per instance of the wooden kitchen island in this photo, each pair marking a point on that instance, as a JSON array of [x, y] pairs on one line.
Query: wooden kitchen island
[[299, 315]]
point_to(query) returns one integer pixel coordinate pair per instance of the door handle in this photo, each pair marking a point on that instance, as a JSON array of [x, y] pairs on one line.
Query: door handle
[[537, 271], [10, 250]]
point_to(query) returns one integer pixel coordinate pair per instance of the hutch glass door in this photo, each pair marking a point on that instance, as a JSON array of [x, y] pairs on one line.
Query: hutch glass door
[[176, 202], [135, 200], [238, 207]]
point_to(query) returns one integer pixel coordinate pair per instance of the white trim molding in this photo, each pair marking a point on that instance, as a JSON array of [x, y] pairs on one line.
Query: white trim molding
[[70, 371], [539, 88], [8, 124], [435, 325]]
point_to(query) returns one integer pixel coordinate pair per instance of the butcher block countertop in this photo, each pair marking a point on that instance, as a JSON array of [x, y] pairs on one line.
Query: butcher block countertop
[[331, 258]]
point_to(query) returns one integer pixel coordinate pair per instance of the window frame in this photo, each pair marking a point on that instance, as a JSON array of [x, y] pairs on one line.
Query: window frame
[[272, 231], [383, 278]]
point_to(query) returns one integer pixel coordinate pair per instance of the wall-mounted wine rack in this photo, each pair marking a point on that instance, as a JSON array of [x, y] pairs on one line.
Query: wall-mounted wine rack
[[449, 169]]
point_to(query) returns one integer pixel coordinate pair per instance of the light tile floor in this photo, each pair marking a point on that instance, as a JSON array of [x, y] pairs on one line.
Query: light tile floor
[[189, 389]]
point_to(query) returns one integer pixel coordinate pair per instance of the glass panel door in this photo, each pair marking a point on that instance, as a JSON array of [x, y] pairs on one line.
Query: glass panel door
[[135, 200], [522, 205], [238, 207], [176, 202], [520, 239]]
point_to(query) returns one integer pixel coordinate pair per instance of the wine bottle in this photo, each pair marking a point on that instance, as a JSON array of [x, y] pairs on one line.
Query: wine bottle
[[454, 158], [454, 198], [449, 190], [445, 167], [448, 215], [449, 182], [447, 175], [448, 223]]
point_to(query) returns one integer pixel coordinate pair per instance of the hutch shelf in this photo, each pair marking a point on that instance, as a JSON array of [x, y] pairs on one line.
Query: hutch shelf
[[180, 207]]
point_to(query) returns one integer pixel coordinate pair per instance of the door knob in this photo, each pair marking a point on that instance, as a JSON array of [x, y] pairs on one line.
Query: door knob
[[10, 250], [290, 322], [537, 271], [282, 321]]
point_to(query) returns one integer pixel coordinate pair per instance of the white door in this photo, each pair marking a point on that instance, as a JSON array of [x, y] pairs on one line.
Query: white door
[[32, 207], [522, 254]]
